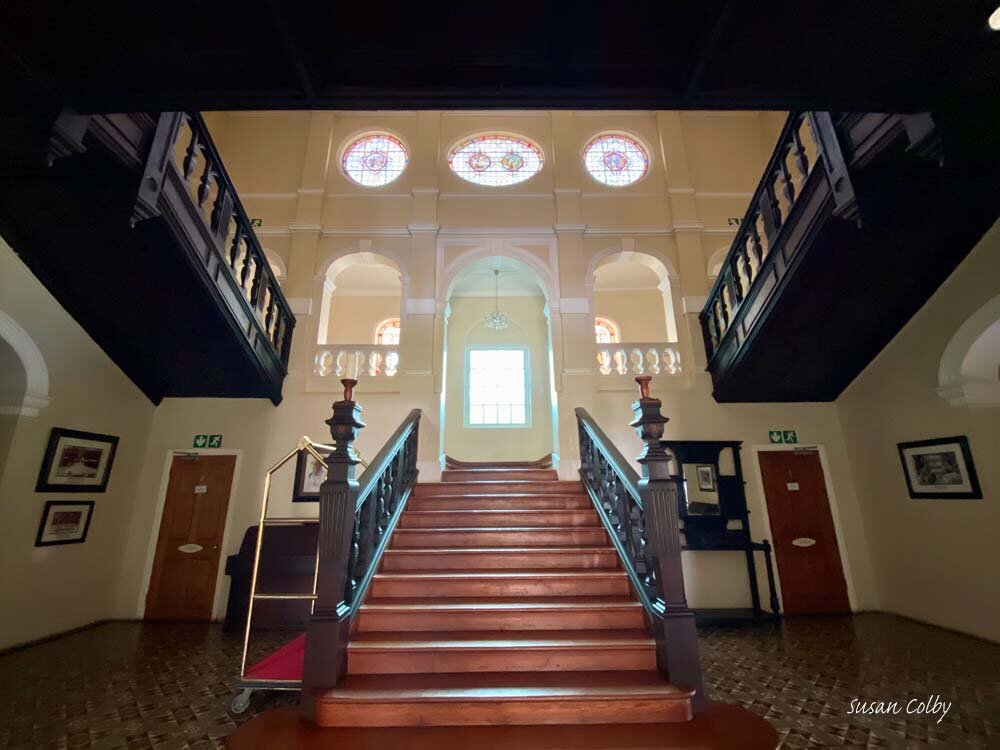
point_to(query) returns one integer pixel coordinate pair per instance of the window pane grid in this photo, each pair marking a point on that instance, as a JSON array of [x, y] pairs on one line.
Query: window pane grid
[[496, 160], [388, 333], [497, 387]]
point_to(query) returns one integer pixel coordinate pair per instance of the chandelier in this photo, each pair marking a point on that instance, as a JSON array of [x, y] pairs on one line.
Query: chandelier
[[496, 320]]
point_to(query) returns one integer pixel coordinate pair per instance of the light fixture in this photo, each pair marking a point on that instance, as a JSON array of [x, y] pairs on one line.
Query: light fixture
[[994, 20], [496, 320]]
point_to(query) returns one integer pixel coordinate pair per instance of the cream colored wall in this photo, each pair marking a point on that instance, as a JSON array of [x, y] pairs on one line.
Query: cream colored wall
[[935, 560], [638, 313], [528, 328], [47, 590], [353, 319]]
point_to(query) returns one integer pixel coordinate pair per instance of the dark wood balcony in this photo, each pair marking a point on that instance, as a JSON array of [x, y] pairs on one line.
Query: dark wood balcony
[[856, 222], [132, 223]]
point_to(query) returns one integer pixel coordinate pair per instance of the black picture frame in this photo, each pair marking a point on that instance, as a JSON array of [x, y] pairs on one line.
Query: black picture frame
[[303, 462], [50, 505], [913, 449], [45, 481]]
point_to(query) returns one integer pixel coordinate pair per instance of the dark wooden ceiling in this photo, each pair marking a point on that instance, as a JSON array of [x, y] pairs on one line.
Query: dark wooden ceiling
[[736, 54]]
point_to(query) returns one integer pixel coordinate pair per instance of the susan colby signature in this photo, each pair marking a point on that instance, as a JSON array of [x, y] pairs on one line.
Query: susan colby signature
[[930, 706]]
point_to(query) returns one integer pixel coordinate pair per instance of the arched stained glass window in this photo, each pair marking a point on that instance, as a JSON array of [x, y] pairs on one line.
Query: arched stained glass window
[[387, 332], [606, 331], [496, 160], [374, 159], [616, 160]]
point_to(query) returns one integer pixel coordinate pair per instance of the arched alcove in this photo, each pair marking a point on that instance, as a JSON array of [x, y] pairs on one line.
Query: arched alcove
[[969, 372], [635, 289], [497, 400], [25, 389], [360, 290]]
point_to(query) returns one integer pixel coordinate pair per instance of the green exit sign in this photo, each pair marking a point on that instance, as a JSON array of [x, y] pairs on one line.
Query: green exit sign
[[207, 441], [783, 436]]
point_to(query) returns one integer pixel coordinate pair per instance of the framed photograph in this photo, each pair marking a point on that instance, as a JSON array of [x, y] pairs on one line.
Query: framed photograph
[[76, 461], [309, 475], [940, 468], [706, 477], [64, 522]]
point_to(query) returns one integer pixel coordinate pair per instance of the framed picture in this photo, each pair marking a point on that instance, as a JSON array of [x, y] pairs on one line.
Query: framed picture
[[940, 468], [64, 522], [706, 477], [309, 475], [76, 461]]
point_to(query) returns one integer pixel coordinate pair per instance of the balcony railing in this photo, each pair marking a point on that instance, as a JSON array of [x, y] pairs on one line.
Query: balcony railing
[[351, 360], [807, 159], [657, 358], [183, 162]]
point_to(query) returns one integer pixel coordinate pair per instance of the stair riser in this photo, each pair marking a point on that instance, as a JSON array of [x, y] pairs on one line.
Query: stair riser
[[403, 538], [499, 475], [489, 488], [486, 519], [634, 710], [613, 619], [499, 502], [438, 560], [401, 661], [617, 586]]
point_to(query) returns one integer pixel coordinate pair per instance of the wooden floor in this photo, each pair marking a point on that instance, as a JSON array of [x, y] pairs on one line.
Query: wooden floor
[[722, 727]]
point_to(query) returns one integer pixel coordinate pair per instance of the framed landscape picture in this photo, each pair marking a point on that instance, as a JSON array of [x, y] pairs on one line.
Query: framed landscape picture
[[76, 461], [940, 468], [309, 475], [64, 522]]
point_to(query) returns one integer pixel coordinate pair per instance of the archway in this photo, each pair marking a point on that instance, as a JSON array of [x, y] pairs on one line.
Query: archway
[[969, 373], [498, 400], [635, 290], [24, 381], [360, 291]]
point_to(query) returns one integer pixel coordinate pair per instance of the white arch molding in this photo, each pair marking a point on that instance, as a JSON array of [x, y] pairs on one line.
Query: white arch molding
[[544, 273], [968, 373], [36, 393]]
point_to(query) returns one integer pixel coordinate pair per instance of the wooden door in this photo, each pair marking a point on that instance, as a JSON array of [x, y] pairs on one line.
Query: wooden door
[[182, 585], [805, 543]]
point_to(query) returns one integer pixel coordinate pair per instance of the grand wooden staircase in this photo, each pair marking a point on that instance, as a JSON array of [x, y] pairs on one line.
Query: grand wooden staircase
[[500, 600]]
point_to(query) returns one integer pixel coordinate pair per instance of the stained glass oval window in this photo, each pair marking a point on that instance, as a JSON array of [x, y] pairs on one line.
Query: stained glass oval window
[[496, 160], [375, 159], [614, 159]]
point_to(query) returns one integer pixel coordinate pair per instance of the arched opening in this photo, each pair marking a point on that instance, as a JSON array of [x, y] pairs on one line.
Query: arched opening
[[360, 292], [634, 290], [24, 381], [498, 402], [606, 331], [969, 374]]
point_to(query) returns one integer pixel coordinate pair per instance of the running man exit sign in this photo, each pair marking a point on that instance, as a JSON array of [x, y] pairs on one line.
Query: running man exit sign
[[207, 441], [783, 436]]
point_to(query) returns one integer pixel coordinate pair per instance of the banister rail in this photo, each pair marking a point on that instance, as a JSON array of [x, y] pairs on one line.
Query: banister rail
[[183, 159], [641, 516], [758, 255], [356, 519]]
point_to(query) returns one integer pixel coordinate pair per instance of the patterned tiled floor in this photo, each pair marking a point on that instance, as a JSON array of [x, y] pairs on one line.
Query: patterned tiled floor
[[168, 686]]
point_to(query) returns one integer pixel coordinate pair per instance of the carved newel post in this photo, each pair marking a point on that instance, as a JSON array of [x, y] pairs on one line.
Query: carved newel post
[[677, 644], [326, 638]]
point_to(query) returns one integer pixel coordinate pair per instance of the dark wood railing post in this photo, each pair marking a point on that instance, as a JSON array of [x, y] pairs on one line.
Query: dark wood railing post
[[677, 645], [326, 638]]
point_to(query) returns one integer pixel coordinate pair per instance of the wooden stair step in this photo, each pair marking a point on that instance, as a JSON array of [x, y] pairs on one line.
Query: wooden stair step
[[492, 614], [500, 502], [500, 558], [434, 519], [499, 488], [499, 651], [506, 583], [574, 536], [503, 698], [498, 475]]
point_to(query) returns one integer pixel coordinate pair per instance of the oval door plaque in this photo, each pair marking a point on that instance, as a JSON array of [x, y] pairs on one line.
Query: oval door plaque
[[803, 541], [190, 548]]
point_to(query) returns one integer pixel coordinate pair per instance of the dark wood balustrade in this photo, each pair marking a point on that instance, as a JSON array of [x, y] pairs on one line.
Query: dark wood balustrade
[[807, 163], [183, 162], [357, 518], [641, 516]]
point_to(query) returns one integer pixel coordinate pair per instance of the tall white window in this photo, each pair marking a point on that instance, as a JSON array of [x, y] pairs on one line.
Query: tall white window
[[497, 387]]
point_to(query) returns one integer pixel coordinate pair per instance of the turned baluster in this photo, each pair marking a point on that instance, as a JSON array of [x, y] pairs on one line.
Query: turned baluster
[[785, 175], [744, 257], [735, 282], [245, 268], [754, 235], [677, 640], [191, 155], [770, 211], [256, 286], [799, 150], [326, 640], [236, 247], [207, 175]]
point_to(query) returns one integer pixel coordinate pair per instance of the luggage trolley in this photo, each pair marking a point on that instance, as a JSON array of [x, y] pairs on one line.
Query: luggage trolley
[[282, 668]]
